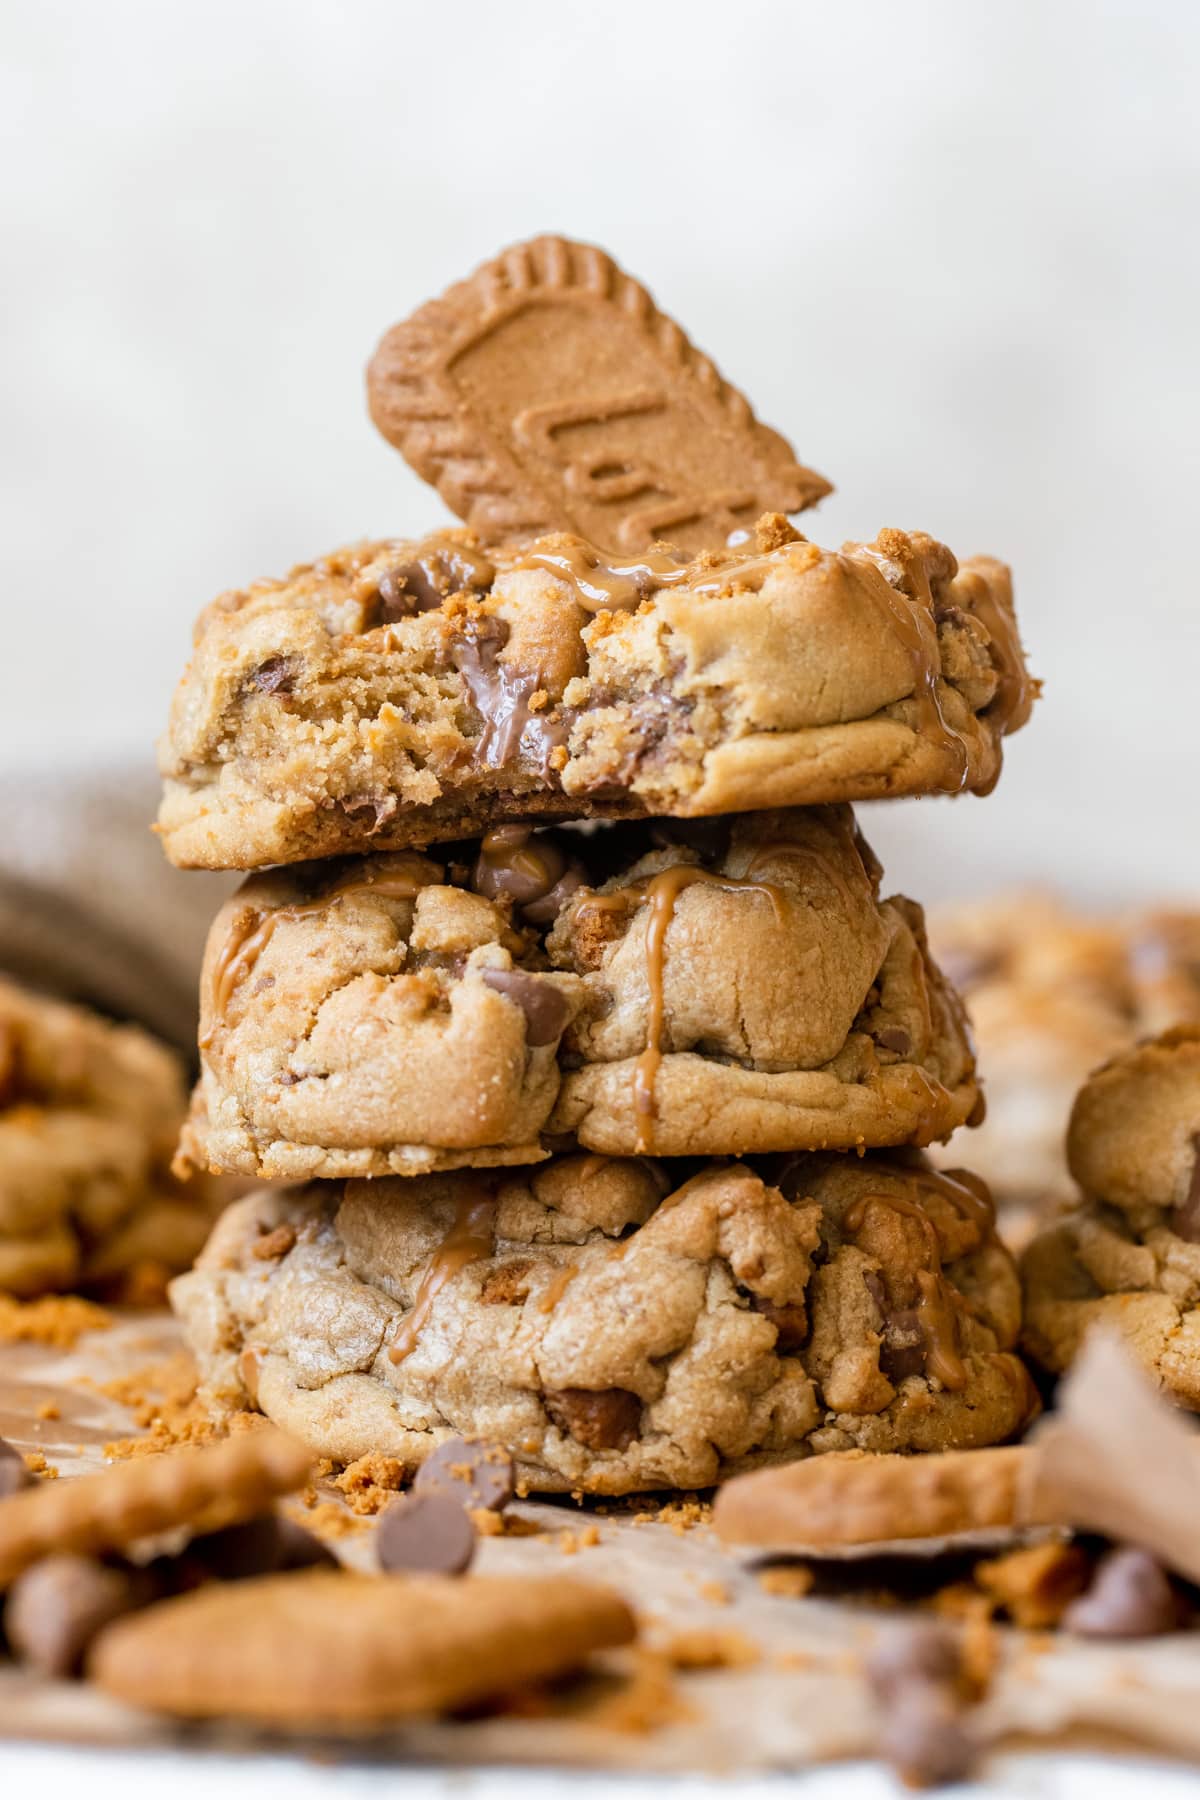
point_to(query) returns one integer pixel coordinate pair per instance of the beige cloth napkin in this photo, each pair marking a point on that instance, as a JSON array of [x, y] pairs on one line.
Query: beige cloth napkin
[[89, 907]]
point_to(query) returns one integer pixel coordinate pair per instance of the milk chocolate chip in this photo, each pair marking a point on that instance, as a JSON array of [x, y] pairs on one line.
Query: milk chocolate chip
[[261, 1546], [55, 1609], [533, 871], [421, 584], [546, 1009], [470, 1471], [916, 1673], [428, 1532], [1131, 1596], [604, 1420]]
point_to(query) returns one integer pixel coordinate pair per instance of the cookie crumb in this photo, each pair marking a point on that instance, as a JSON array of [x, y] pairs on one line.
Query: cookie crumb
[[571, 1542], [705, 1649], [791, 1581], [56, 1320], [48, 1410], [371, 1481], [36, 1463], [647, 1701]]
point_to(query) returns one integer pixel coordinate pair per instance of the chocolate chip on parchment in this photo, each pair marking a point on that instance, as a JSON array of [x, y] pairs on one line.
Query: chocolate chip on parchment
[[916, 1673], [1131, 1596], [473, 1472], [13, 1473], [58, 1605], [546, 1009], [604, 1419], [427, 1532]]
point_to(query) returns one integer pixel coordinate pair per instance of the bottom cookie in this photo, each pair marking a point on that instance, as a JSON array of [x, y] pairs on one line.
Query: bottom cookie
[[612, 1334]]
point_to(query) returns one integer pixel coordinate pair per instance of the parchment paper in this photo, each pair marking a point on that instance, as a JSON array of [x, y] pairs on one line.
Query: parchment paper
[[803, 1699]]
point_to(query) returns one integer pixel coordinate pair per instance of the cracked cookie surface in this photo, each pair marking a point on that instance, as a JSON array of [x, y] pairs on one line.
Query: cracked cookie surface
[[735, 986], [89, 1114], [402, 693], [614, 1335], [1129, 1258]]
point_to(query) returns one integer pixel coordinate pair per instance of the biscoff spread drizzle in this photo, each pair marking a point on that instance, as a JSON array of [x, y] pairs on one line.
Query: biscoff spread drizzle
[[906, 605], [470, 1238], [938, 1300], [662, 891], [401, 877]]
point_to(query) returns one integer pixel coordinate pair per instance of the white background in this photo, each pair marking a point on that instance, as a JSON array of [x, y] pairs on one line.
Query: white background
[[951, 249]]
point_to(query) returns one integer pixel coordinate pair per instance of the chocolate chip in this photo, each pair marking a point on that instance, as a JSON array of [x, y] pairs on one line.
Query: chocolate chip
[[14, 1475], [924, 1737], [902, 1348], [422, 584], [1185, 1219], [56, 1607], [922, 1651], [916, 1673], [382, 807], [546, 1009], [895, 1039], [533, 872], [262, 1546], [427, 1531], [278, 675], [790, 1322], [607, 1419], [1131, 1596], [471, 1471]]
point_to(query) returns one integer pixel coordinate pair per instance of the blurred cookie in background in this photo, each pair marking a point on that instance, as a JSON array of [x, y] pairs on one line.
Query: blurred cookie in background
[[89, 1116], [1053, 991]]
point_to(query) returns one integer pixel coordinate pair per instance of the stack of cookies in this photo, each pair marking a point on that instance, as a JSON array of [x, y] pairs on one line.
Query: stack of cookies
[[564, 986]]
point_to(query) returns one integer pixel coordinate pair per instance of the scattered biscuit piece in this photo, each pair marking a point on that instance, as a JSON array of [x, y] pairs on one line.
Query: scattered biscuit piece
[[322, 1650]]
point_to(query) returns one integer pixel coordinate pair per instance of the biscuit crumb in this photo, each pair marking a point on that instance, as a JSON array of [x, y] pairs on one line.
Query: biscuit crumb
[[648, 1700], [704, 1649], [56, 1320], [329, 1520], [48, 1410], [1036, 1584], [371, 1481], [715, 1592], [788, 1580], [36, 1463], [571, 1542]]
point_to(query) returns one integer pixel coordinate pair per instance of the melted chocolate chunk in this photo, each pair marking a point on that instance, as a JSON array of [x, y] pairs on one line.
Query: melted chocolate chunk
[[546, 1009], [278, 675], [895, 1039], [471, 1471], [605, 1420], [424, 582], [531, 870], [428, 1532], [501, 696]]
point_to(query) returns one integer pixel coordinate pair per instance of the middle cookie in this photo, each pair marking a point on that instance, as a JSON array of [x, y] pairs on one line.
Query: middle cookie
[[730, 987]]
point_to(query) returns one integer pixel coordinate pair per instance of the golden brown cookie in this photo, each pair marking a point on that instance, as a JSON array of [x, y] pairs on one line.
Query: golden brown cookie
[[731, 988], [856, 1498], [205, 1488], [612, 1334], [402, 694], [89, 1115], [1129, 1257], [548, 393], [318, 1649], [1052, 991]]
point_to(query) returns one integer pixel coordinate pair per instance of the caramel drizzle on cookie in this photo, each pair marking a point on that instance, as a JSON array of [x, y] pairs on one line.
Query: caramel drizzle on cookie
[[471, 1237], [254, 926], [938, 1300], [662, 891]]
